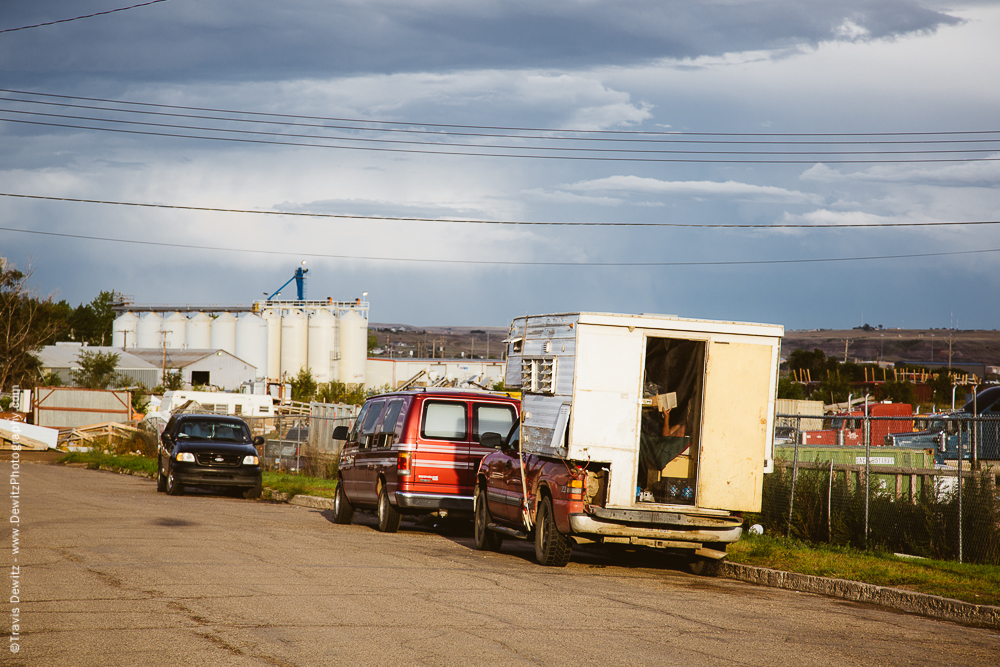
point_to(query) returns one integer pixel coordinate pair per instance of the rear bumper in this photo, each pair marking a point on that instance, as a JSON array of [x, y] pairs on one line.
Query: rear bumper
[[696, 530], [430, 502]]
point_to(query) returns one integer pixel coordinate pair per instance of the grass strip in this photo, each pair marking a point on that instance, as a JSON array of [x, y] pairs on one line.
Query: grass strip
[[293, 485], [979, 584]]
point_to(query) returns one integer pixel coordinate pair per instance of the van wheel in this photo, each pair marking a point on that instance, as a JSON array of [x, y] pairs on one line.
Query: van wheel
[[388, 517], [343, 513], [486, 539], [551, 547]]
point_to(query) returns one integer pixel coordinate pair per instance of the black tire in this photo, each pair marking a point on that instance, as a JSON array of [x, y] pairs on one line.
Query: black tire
[[161, 480], [388, 517], [173, 488], [552, 548], [704, 567], [343, 513], [254, 491], [486, 539]]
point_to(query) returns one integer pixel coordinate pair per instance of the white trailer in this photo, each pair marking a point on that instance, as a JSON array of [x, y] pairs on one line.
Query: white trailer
[[678, 414]]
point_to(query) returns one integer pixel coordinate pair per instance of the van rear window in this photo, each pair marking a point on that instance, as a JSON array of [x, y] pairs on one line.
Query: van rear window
[[444, 421], [492, 419]]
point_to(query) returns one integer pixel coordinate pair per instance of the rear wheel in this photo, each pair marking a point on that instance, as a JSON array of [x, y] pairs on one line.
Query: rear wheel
[[342, 511], [486, 539], [388, 517], [551, 547], [173, 488]]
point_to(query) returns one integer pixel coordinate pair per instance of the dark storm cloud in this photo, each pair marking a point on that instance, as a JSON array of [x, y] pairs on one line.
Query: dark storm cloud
[[258, 39]]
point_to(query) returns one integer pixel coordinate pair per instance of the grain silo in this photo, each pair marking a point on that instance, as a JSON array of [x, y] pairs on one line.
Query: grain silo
[[175, 329], [353, 347], [294, 342], [223, 336], [125, 331], [273, 319], [323, 353], [199, 332], [251, 342], [148, 331]]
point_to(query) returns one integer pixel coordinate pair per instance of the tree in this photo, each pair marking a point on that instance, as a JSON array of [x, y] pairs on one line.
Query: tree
[[303, 385], [97, 370], [93, 323], [173, 380], [26, 324], [787, 388], [338, 392], [372, 342]]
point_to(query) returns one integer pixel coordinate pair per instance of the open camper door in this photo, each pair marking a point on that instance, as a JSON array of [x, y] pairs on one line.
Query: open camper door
[[738, 408]]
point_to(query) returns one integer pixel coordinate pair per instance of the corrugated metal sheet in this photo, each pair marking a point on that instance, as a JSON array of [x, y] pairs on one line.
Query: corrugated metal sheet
[[66, 407]]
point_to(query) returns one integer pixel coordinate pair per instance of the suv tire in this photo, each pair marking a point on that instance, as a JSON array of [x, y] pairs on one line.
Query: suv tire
[[172, 487], [388, 516], [486, 539], [343, 513], [254, 491], [551, 547]]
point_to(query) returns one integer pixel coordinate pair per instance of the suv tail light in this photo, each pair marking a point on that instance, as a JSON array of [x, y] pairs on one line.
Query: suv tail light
[[403, 464]]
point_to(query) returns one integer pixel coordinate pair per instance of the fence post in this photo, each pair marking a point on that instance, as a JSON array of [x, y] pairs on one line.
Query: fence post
[[829, 505], [795, 474], [867, 430], [960, 527]]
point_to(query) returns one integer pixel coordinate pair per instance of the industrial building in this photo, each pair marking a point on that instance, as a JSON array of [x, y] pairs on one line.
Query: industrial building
[[275, 338], [426, 372]]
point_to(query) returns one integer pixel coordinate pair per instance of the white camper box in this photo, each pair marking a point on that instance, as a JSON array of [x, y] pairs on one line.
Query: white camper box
[[682, 410]]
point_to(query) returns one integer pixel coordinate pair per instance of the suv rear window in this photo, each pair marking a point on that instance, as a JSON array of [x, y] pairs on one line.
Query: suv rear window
[[444, 421]]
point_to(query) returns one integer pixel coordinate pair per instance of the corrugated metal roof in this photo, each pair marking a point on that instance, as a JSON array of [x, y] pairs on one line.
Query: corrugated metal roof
[[178, 358], [66, 356]]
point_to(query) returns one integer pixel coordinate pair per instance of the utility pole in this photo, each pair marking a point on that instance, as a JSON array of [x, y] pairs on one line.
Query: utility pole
[[846, 343]]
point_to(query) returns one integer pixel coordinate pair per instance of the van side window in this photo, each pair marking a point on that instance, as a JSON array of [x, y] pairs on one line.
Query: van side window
[[356, 428], [491, 419], [444, 421], [388, 427], [367, 438]]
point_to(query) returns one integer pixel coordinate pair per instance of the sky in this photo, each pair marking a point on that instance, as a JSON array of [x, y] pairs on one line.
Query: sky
[[723, 104]]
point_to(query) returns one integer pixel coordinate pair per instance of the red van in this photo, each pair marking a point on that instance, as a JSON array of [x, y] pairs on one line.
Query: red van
[[417, 452]]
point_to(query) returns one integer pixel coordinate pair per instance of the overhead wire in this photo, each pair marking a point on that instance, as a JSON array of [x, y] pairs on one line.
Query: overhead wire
[[347, 216], [482, 262], [85, 16]]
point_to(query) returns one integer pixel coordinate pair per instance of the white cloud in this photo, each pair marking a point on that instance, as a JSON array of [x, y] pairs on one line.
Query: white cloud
[[743, 191]]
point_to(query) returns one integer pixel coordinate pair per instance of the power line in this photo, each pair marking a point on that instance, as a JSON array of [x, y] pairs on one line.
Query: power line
[[480, 262], [358, 128], [346, 216], [570, 149], [86, 16], [514, 128], [589, 158]]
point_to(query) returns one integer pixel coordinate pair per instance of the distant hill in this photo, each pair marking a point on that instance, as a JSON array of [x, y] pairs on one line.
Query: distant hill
[[895, 345]]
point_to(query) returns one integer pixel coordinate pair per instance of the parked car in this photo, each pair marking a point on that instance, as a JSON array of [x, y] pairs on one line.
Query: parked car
[[208, 450], [416, 452]]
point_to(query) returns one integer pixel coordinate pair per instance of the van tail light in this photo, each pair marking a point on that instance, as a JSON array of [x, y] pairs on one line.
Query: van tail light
[[403, 464]]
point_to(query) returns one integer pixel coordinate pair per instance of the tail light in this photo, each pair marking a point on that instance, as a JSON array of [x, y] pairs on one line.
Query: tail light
[[403, 464]]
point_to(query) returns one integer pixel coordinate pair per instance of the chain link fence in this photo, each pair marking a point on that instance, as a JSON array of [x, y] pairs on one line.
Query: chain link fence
[[909, 498], [303, 443]]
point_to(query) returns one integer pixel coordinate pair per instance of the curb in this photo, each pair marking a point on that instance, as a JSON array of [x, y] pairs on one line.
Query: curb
[[315, 502], [916, 603]]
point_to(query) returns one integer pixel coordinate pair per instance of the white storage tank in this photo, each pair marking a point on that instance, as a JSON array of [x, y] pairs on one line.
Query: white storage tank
[[175, 328], [353, 347], [273, 319], [294, 342], [125, 331], [199, 332], [323, 345], [251, 341], [223, 335], [148, 331]]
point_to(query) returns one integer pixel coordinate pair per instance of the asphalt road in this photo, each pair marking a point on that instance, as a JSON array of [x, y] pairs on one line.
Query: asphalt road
[[113, 573]]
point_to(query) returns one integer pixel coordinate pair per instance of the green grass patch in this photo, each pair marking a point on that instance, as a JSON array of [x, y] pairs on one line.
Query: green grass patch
[[296, 485], [97, 460], [979, 584]]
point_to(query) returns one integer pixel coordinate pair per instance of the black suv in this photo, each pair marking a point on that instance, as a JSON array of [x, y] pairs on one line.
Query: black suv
[[208, 450]]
